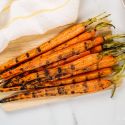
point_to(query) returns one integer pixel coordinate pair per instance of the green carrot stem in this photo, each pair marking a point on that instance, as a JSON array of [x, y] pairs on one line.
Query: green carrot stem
[[118, 52], [116, 79], [113, 90], [121, 57], [103, 24], [95, 19], [113, 44], [100, 26], [116, 36]]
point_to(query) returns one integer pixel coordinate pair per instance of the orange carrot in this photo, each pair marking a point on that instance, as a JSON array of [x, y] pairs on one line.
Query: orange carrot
[[57, 56], [75, 79], [75, 57], [15, 80], [71, 89], [80, 38], [64, 36], [16, 88], [67, 34], [85, 64], [106, 61]]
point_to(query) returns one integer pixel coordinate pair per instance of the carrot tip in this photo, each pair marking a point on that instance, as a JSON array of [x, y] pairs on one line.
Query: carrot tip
[[2, 101]]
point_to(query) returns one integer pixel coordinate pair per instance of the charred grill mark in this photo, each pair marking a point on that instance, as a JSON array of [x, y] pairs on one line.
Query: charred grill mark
[[61, 90], [37, 75], [21, 69], [59, 70], [47, 62], [10, 89], [86, 48], [11, 68], [4, 100], [46, 72], [77, 53], [10, 72], [72, 92], [72, 67], [50, 78], [21, 75], [33, 95], [64, 74], [16, 59], [6, 83], [27, 55], [60, 57], [23, 87], [85, 87], [86, 78], [102, 74], [38, 80], [73, 52], [99, 74], [59, 73], [26, 93], [13, 98], [73, 81], [100, 83], [35, 87], [38, 49], [58, 76], [22, 81]]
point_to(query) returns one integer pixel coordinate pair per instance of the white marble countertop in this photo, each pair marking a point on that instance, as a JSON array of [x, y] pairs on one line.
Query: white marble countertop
[[96, 109]]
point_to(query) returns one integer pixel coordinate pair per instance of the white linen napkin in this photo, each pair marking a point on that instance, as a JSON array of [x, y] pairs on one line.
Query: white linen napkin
[[30, 17]]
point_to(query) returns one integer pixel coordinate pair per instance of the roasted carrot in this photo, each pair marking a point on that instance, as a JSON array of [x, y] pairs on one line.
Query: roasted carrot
[[14, 81], [93, 50], [80, 38], [96, 49], [61, 38], [64, 36], [74, 79], [107, 61], [82, 65], [16, 88], [57, 56], [99, 48], [48, 73], [71, 89]]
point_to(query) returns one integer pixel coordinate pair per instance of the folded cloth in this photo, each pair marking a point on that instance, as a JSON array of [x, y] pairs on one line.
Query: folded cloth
[[31, 17]]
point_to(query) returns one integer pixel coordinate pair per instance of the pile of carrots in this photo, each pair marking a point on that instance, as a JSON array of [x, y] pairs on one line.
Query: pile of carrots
[[78, 60]]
